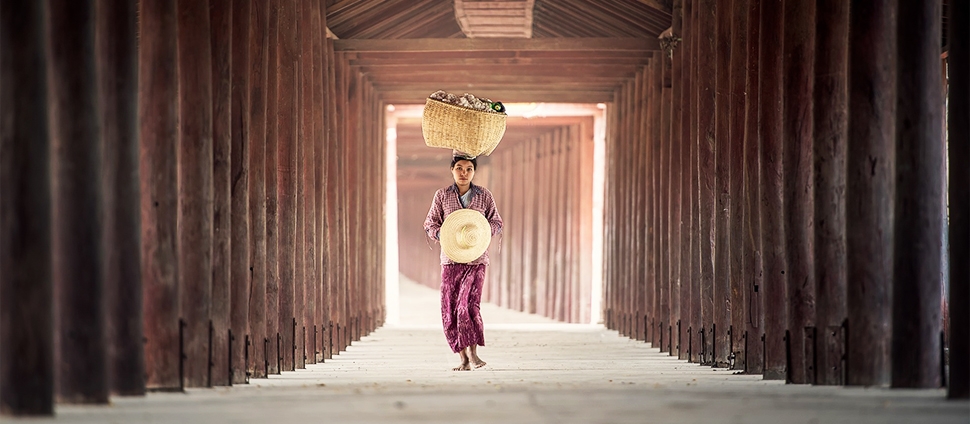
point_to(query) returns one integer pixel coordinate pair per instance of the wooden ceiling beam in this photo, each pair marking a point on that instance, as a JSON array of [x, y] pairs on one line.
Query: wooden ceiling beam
[[412, 72], [506, 44]]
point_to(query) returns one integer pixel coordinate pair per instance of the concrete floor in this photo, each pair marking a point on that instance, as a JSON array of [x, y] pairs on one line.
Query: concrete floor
[[538, 371]]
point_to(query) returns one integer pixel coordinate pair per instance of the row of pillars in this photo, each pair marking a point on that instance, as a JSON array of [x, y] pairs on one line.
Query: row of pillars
[[777, 193], [542, 264], [184, 199]]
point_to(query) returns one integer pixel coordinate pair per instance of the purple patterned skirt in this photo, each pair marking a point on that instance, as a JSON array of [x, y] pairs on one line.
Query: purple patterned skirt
[[461, 297]]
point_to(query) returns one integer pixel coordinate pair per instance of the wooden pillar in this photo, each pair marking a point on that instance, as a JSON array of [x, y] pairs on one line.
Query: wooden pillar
[[675, 218], [158, 108], [26, 284], [696, 326], [117, 52], [959, 195], [772, 195], [195, 188], [721, 313], [221, 41], [831, 132], [752, 276], [799, 64], [738, 100], [331, 199], [687, 183], [655, 138], [272, 339], [257, 187], [870, 183], [342, 113], [706, 74], [299, 277], [538, 151], [239, 168], [663, 207], [529, 226], [80, 358], [320, 64], [918, 215], [286, 168], [638, 248], [309, 168]]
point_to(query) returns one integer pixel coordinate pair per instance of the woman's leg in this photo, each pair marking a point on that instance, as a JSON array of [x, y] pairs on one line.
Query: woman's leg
[[450, 285], [471, 330]]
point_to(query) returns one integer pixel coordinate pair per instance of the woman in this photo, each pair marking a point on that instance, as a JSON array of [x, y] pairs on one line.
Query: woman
[[461, 284]]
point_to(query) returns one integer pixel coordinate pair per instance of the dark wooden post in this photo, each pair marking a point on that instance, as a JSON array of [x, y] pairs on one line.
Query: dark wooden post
[[157, 112], [721, 305], [240, 272], [326, 206], [721, 317], [831, 132], [706, 75], [273, 271], [687, 182], [319, 71], [221, 39], [309, 182], [870, 183], [257, 187], [299, 280], [80, 359], [918, 211], [26, 283], [738, 195], [799, 64], [286, 166], [696, 326], [337, 195], [677, 226], [117, 52], [195, 188], [958, 135], [663, 137], [772, 194], [640, 227], [753, 271]]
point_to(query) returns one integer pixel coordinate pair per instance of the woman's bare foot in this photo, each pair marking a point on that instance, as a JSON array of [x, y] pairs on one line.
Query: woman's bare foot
[[473, 356], [464, 361]]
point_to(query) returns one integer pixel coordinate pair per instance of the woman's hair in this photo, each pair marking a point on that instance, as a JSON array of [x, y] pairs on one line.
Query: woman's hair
[[455, 160]]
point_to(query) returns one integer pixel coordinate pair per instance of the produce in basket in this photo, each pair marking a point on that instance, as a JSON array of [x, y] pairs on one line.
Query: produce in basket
[[466, 123]]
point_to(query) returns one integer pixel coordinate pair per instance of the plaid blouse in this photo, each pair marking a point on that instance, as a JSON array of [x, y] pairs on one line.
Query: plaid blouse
[[446, 201]]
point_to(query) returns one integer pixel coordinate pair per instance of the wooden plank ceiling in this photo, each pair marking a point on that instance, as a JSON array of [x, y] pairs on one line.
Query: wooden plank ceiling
[[552, 51]]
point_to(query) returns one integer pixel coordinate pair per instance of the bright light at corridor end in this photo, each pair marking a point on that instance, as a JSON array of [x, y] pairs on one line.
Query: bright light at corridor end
[[521, 110]]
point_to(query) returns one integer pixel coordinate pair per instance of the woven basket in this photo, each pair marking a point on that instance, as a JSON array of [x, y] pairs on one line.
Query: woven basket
[[466, 130]]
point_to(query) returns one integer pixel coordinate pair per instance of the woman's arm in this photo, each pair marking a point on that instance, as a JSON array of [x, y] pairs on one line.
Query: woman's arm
[[492, 215], [435, 217]]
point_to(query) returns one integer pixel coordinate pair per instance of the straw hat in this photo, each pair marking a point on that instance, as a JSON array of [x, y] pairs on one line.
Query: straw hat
[[465, 235]]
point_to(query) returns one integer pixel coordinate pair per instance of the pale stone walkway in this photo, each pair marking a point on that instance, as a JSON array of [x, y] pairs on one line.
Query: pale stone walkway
[[538, 371]]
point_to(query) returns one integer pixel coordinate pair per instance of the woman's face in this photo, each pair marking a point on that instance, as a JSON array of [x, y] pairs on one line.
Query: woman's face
[[463, 171]]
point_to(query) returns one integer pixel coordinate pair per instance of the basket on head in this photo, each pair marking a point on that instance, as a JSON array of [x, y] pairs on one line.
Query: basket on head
[[466, 130]]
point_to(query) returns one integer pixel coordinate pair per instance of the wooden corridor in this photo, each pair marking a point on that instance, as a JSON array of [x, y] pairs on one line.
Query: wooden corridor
[[203, 193], [538, 371]]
